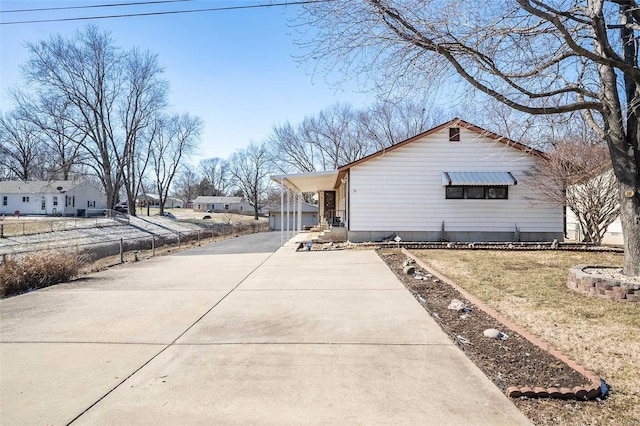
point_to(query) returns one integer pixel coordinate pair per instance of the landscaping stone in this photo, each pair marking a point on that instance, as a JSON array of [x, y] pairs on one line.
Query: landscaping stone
[[409, 269], [492, 333]]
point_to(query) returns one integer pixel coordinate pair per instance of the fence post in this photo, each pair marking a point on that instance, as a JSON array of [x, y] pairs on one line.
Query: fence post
[[153, 245], [198, 237], [23, 229], [178, 240], [121, 251], [1, 230]]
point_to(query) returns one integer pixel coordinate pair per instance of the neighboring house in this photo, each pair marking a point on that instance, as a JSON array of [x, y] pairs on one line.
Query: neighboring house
[[455, 182], [154, 201], [58, 197], [309, 217], [612, 236], [222, 204], [602, 180]]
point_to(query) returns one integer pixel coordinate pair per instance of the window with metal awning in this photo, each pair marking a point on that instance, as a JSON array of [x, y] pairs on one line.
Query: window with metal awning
[[478, 179], [478, 185]]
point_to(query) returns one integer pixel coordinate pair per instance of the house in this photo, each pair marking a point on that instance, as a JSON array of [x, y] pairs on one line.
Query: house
[[222, 204], [600, 196], [612, 236], [58, 197], [154, 201], [278, 219], [455, 182]]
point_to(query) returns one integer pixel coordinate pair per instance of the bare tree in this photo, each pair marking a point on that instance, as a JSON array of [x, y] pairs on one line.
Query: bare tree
[[389, 122], [186, 184], [52, 116], [577, 174], [173, 141], [111, 96], [20, 146], [539, 57], [339, 134], [251, 168], [216, 172]]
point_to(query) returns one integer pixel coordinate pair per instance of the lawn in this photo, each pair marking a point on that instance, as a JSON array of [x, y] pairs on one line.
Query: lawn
[[530, 288]]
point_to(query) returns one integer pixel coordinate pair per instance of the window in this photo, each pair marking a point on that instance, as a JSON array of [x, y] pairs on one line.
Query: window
[[477, 192], [454, 134], [25, 199], [474, 192], [454, 192], [43, 205], [55, 201], [497, 193], [226, 206], [91, 203], [4, 200]]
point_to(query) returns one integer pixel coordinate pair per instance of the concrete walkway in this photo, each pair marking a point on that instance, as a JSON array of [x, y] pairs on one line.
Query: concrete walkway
[[268, 338]]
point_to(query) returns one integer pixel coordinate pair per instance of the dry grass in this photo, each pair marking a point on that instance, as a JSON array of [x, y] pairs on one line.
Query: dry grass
[[38, 270], [530, 288]]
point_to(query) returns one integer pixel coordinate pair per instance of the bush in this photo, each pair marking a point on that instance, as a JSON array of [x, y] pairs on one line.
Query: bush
[[38, 270]]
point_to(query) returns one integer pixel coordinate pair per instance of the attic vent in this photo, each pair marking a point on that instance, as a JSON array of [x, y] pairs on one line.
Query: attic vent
[[454, 134], [59, 188]]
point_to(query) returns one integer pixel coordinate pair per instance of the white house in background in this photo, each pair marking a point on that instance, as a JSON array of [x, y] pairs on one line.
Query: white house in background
[[309, 217], [455, 182], [58, 197], [613, 235], [154, 201], [222, 204]]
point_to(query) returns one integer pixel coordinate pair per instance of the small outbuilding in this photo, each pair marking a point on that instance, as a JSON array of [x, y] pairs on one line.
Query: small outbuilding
[[278, 219]]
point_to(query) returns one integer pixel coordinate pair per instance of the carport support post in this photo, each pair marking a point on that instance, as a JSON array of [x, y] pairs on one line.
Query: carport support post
[[282, 213], [300, 212]]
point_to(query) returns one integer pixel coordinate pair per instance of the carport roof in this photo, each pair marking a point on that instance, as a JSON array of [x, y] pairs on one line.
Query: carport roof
[[309, 182]]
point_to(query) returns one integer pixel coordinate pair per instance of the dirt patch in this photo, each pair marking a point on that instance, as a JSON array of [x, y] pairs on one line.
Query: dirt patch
[[512, 361]]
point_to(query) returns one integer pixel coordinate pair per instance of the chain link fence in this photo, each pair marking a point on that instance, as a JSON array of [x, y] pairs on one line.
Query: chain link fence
[[105, 247]]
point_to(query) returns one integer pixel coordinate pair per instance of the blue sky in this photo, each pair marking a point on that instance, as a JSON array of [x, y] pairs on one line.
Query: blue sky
[[235, 69]]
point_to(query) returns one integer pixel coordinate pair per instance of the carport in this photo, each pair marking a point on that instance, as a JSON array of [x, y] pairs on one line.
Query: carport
[[292, 186]]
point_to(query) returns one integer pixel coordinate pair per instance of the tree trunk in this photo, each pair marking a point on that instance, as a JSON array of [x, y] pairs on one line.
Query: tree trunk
[[630, 219]]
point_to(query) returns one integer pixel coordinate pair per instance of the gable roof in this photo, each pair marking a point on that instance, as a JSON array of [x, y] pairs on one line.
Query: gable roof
[[36, 186], [456, 122]]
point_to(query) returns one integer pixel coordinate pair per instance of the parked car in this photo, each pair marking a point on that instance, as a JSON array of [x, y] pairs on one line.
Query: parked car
[[122, 207], [169, 215]]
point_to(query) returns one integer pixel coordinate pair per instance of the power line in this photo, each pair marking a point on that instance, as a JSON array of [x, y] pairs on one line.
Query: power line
[[44, 9], [174, 12]]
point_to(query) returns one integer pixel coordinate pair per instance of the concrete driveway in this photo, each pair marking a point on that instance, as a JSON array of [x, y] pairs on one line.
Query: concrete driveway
[[237, 338]]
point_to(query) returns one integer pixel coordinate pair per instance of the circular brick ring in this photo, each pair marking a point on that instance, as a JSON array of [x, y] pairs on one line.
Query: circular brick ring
[[594, 285]]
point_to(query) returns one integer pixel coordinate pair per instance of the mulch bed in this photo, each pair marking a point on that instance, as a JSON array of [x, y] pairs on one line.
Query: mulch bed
[[513, 361]]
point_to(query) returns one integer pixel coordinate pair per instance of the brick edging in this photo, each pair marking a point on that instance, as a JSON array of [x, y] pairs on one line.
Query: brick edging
[[591, 391], [592, 285]]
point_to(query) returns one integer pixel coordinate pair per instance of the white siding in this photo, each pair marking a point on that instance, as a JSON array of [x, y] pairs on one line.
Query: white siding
[[402, 190]]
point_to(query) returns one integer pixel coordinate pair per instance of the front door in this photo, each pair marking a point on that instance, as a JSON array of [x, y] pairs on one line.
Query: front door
[[329, 205]]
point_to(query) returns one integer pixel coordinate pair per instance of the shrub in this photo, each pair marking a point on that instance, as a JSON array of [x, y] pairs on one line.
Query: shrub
[[38, 270]]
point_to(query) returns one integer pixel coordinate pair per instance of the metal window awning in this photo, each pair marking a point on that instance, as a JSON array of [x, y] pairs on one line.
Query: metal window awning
[[478, 179]]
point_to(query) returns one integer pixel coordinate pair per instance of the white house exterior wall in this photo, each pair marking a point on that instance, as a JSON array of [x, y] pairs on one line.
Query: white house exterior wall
[[83, 196], [402, 191]]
